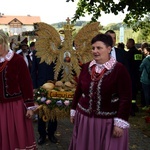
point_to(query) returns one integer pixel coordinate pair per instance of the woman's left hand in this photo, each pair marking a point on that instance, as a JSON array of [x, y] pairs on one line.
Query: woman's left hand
[[29, 113], [117, 132]]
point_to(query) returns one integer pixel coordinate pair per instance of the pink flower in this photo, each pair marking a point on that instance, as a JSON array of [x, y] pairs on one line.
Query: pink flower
[[48, 101], [66, 102]]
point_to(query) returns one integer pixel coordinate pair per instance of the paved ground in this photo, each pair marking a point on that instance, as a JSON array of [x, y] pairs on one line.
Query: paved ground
[[63, 134], [138, 141]]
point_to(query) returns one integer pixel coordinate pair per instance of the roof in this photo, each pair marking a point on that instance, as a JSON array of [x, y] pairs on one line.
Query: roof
[[23, 19]]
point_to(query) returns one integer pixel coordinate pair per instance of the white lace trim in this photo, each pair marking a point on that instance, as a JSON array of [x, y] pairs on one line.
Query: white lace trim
[[8, 56], [121, 123], [117, 122], [72, 113], [32, 108]]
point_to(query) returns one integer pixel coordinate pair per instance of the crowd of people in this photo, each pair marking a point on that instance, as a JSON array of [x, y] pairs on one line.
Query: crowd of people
[[105, 96], [139, 70]]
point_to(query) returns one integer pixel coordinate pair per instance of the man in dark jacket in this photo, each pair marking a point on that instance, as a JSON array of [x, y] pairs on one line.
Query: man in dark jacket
[[24, 51], [41, 73], [134, 59], [119, 54]]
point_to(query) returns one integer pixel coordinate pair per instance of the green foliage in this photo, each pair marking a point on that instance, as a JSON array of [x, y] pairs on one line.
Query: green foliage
[[145, 32], [114, 26], [136, 10], [128, 32], [61, 24], [41, 98], [80, 23], [143, 35]]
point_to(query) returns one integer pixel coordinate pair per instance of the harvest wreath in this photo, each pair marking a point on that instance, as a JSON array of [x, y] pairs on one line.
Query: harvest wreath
[[53, 101]]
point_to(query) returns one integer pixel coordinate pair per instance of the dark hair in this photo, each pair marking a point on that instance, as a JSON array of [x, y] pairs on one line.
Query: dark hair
[[107, 39], [148, 49], [121, 45], [144, 45], [110, 31], [32, 44], [132, 41], [23, 44]]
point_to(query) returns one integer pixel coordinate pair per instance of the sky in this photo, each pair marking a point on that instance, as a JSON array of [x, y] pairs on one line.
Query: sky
[[50, 11]]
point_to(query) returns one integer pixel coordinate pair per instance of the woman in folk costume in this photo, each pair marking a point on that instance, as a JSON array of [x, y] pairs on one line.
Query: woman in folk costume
[[16, 100], [102, 101]]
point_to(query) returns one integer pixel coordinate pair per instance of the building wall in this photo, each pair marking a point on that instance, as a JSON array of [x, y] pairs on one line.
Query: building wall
[[16, 31], [4, 28]]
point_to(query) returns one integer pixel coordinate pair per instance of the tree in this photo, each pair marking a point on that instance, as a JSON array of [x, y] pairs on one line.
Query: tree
[[145, 32], [114, 26], [136, 9]]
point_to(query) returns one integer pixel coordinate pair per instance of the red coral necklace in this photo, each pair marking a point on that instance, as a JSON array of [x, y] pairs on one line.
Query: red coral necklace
[[3, 66], [96, 76]]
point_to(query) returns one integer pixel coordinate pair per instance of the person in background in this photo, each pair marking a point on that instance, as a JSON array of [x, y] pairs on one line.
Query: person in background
[[24, 51], [144, 45], [146, 51], [102, 101], [30, 53], [32, 46], [12, 44], [31, 49], [145, 77], [134, 58], [121, 46], [16, 100], [118, 54], [41, 73]]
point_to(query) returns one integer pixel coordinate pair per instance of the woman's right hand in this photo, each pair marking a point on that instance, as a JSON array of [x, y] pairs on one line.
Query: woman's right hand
[[117, 132], [72, 119]]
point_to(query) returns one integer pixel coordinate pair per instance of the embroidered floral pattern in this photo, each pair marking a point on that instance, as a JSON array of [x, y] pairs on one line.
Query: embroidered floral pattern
[[110, 66], [99, 98], [115, 100]]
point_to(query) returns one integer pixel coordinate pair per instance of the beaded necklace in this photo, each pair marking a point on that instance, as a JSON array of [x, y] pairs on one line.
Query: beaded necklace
[[96, 76]]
